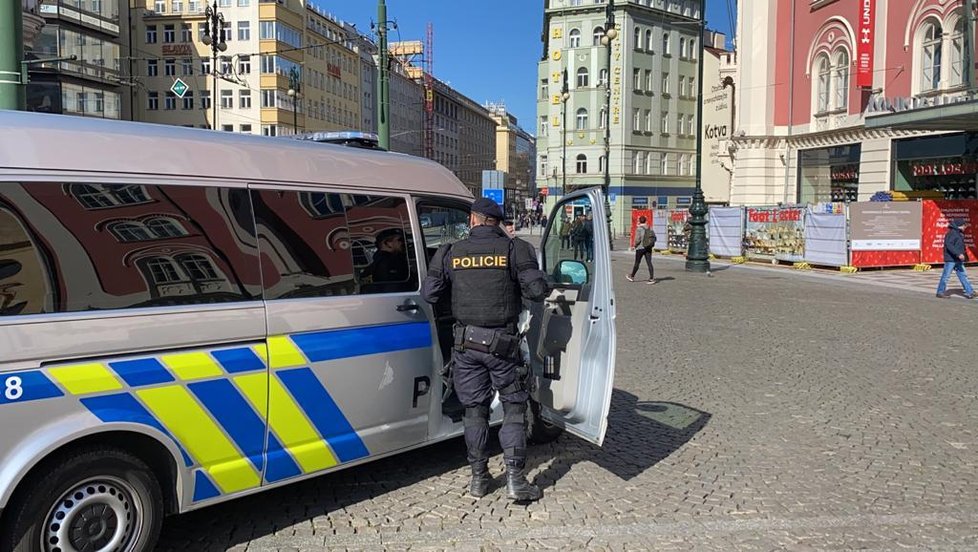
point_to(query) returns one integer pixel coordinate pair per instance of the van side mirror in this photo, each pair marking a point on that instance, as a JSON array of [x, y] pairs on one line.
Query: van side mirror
[[571, 272]]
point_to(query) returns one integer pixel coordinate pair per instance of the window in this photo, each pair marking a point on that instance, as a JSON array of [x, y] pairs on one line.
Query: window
[[198, 267], [575, 38], [227, 128], [152, 68], [187, 66], [150, 34], [932, 54], [245, 129], [601, 162], [267, 64], [666, 45], [581, 165], [544, 125], [152, 101], [682, 86], [205, 99], [227, 99], [268, 98], [665, 83], [637, 39], [666, 160], [227, 33], [582, 119], [648, 40], [598, 34], [443, 225], [543, 165], [648, 80], [957, 49], [639, 164], [170, 101], [682, 47], [186, 33], [244, 30], [636, 79], [169, 67], [225, 65], [159, 6], [636, 119], [648, 120], [603, 77], [201, 31], [244, 3], [169, 34], [693, 92], [842, 80], [205, 66], [244, 99], [824, 82], [544, 89], [95, 196], [665, 122], [693, 52], [269, 130], [193, 6], [188, 99], [603, 121], [224, 3], [582, 80]]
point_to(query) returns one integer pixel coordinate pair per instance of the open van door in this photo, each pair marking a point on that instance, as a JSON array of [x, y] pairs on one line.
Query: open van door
[[572, 333]]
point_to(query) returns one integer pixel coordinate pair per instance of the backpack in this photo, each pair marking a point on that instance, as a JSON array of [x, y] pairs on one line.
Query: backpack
[[648, 239]]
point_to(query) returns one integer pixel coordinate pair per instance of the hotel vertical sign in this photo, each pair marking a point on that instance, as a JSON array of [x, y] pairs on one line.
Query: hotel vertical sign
[[865, 43]]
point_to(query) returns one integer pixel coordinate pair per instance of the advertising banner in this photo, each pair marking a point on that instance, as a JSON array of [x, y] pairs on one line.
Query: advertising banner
[[865, 38], [885, 233], [936, 218], [636, 213], [726, 231], [678, 235], [660, 225], [826, 242], [775, 233]]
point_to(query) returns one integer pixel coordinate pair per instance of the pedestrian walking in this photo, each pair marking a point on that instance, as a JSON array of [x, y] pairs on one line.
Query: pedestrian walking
[[955, 255], [644, 243], [487, 276]]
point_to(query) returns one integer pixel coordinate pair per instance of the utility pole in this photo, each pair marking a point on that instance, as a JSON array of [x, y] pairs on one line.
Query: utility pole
[[214, 37], [564, 96], [13, 76], [697, 253], [383, 79], [610, 33], [295, 88]]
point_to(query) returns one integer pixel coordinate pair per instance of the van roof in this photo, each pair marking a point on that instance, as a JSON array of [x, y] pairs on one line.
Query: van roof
[[37, 141]]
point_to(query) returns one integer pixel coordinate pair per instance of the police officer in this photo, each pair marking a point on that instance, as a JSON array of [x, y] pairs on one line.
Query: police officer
[[487, 276]]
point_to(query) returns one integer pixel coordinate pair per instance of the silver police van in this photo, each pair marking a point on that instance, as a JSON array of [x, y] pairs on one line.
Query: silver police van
[[189, 316]]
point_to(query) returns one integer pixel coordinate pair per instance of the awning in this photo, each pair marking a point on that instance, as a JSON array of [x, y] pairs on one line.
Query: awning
[[960, 116]]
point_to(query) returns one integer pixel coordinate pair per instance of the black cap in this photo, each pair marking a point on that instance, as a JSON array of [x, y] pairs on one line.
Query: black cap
[[487, 207], [387, 234]]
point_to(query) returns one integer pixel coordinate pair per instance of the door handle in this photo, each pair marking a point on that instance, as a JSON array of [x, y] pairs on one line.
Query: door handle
[[408, 307]]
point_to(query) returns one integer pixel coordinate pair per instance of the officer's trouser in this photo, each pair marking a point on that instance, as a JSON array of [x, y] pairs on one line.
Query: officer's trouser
[[476, 377]]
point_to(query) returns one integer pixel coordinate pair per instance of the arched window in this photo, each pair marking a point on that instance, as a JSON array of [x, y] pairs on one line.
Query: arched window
[[162, 270], [198, 267], [824, 80], [601, 161], [651, 163], [575, 38], [693, 52], [639, 161], [666, 45], [165, 228], [581, 163], [582, 119], [682, 47], [603, 77], [842, 79], [130, 232], [92, 197], [930, 76], [603, 120], [638, 39], [582, 80], [957, 50], [648, 40], [598, 33]]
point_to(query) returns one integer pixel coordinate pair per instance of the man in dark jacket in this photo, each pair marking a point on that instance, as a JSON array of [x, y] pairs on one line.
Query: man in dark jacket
[[955, 255], [487, 276]]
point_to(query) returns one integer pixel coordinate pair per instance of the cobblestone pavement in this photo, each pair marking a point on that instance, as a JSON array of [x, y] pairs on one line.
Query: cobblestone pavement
[[754, 410]]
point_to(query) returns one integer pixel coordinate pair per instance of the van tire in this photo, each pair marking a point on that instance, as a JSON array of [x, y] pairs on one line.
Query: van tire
[[538, 431], [122, 492]]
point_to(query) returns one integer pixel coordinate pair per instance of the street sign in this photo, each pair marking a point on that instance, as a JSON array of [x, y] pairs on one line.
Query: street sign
[[179, 88], [612, 198], [495, 194]]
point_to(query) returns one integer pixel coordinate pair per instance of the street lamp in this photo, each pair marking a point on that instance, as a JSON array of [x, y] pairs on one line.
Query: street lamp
[[214, 37], [610, 34], [697, 254], [564, 96], [295, 89]]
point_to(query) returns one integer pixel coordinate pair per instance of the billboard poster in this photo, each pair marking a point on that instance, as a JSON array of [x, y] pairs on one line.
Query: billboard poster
[[775, 233], [865, 43], [885, 233], [937, 216], [678, 234]]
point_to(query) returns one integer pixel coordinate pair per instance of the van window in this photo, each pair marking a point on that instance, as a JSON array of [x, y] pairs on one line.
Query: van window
[[87, 246], [382, 244], [304, 244]]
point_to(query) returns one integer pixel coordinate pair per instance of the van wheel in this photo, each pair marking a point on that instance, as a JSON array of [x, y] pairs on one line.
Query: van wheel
[[98, 500], [539, 431]]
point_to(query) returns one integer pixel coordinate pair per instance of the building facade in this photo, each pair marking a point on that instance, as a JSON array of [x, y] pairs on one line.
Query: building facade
[[92, 84], [818, 71], [515, 157], [650, 86]]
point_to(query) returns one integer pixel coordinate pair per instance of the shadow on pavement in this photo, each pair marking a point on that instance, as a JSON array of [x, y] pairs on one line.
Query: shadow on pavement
[[640, 435]]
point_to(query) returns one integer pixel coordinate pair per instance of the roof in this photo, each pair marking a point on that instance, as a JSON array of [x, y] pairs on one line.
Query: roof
[[958, 116], [37, 141]]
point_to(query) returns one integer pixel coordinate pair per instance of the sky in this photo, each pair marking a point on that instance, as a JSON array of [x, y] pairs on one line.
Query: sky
[[487, 50]]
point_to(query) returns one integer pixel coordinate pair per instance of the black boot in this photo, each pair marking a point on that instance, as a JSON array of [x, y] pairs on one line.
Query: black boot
[[518, 488], [479, 486]]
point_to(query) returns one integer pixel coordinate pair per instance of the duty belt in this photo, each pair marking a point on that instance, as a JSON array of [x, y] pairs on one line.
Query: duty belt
[[499, 342]]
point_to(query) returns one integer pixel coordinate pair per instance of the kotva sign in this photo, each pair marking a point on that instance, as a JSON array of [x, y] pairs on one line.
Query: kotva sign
[[716, 131]]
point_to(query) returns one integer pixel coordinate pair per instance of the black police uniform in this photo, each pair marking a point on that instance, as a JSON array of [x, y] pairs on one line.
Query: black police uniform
[[489, 275]]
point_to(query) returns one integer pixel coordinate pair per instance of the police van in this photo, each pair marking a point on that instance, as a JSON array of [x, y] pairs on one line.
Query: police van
[[189, 316]]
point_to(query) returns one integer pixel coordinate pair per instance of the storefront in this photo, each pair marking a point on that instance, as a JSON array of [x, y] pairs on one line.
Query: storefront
[[829, 174], [936, 167]]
